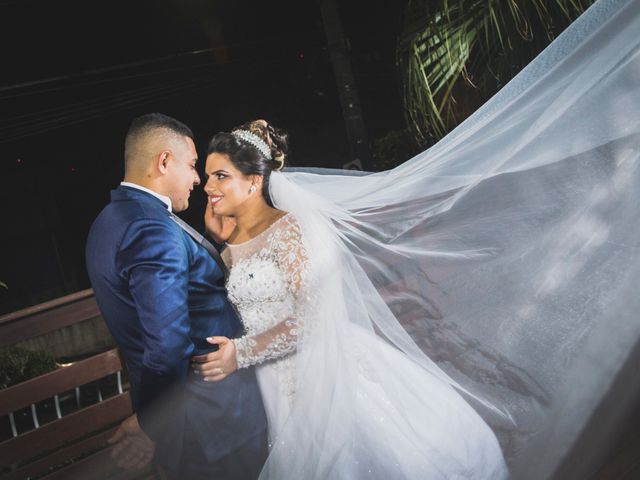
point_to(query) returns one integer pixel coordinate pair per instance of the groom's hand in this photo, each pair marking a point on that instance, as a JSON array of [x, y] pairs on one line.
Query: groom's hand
[[133, 449], [216, 366], [218, 227]]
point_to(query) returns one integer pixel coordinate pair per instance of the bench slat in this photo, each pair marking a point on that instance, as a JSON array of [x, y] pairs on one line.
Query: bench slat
[[61, 380], [43, 307], [59, 457], [95, 467], [98, 466], [16, 330], [55, 434]]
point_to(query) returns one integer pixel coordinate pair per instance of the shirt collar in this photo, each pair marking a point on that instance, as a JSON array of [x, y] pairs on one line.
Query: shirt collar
[[165, 200]]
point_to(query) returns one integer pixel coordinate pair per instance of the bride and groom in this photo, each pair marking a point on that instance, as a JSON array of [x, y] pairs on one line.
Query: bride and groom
[[204, 414], [502, 252]]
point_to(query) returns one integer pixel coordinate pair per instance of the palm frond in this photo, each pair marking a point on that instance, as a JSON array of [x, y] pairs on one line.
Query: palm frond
[[454, 55]]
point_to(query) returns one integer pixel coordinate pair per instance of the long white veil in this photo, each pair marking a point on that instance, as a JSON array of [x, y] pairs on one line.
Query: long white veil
[[508, 254]]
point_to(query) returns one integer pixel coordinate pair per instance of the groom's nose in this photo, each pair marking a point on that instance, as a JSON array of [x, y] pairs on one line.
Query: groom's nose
[[196, 178]]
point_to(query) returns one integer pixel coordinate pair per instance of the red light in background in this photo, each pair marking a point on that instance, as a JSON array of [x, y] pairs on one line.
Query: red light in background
[[301, 56]]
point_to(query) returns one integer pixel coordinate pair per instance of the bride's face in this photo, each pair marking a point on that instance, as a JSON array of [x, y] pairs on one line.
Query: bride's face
[[227, 188]]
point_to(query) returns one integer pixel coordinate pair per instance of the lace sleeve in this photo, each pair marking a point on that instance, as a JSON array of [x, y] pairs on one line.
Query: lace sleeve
[[286, 248]]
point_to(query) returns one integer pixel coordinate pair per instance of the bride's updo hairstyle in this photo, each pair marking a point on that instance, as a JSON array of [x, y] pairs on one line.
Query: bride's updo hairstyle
[[255, 148]]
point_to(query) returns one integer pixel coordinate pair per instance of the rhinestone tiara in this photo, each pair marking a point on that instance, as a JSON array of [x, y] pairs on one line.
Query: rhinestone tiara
[[254, 140]]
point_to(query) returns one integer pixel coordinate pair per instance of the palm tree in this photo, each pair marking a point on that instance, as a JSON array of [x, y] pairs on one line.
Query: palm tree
[[454, 54]]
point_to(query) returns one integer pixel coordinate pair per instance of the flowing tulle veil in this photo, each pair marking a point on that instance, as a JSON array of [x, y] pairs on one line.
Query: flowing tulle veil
[[505, 260]]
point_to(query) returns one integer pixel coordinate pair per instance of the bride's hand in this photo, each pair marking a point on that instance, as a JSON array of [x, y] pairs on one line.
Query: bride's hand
[[216, 366], [218, 226]]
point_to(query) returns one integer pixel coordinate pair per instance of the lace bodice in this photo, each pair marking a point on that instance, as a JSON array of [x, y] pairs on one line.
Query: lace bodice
[[268, 285]]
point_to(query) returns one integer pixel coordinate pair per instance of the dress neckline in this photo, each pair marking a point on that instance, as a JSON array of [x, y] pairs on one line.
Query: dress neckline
[[261, 233]]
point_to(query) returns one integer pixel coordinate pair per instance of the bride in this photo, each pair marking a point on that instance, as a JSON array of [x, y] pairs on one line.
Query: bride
[[340, 401], [491, 280]]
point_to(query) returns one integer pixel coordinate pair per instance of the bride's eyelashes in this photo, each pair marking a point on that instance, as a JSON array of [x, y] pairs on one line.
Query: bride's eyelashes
[[218, 175]]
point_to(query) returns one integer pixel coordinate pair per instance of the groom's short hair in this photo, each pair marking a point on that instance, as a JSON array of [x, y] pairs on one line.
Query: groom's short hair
[[146, 128]]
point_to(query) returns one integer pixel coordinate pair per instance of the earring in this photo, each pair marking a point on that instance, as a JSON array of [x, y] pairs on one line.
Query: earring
[[252, 189]]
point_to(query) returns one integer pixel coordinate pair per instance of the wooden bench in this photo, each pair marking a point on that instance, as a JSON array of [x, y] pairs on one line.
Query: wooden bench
[[72, 446]]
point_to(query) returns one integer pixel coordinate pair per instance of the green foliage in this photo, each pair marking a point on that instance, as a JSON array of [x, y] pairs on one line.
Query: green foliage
[[455, 54], [19, 364], [392, 149]]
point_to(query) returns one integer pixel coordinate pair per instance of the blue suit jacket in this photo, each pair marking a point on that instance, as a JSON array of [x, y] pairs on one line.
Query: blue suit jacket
[[157, 291]]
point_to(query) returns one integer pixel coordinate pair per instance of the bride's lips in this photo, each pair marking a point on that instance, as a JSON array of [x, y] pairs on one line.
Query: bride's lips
[[215, 199]]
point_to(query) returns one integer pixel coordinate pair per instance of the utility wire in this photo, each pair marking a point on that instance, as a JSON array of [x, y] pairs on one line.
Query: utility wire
[[95, 110], [125, 66], [41, 121]]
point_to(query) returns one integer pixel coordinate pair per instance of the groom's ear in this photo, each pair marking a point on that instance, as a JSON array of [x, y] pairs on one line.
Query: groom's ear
[[162, 159]]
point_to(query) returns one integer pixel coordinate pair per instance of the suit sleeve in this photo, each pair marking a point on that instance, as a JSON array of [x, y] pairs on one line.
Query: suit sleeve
[[155, 261]]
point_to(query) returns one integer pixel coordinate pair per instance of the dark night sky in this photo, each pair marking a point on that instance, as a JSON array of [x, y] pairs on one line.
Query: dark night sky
[[74, 74]]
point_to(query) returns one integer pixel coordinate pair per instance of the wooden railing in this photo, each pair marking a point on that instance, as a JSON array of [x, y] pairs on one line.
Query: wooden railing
[[49, 316], [72, 446]]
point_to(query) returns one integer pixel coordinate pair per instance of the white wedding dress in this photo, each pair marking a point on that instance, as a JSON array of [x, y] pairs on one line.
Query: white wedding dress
[[500, 266], [434, 435]]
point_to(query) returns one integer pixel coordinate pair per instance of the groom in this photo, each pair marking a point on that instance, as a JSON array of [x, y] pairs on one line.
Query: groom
[[158, 291]]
